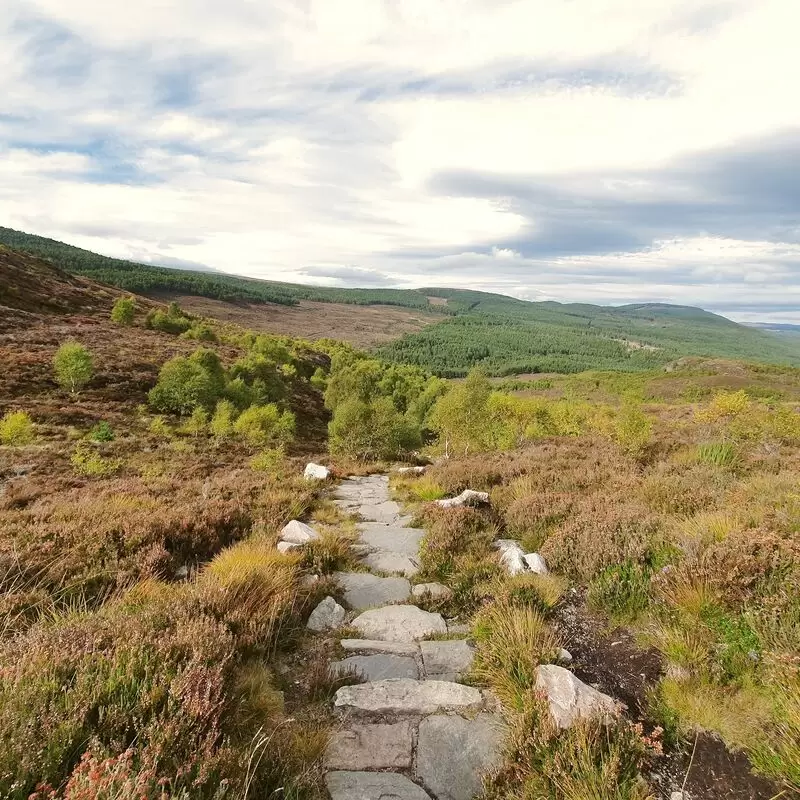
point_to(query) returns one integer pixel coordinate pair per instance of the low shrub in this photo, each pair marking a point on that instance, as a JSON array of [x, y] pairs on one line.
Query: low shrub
[[622, 590], [171, 321], [16, 429], [88, 462], [124, 311], [268, 460], [223, 419], [266, 425], [452, 533], [331, 552], [200, 332], [102, 432]]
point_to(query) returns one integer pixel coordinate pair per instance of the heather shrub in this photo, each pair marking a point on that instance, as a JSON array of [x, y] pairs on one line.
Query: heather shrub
[[261, 426], [73, 365], [452, 533], [16, 429], [124, 311], [600, 532], [622, 590], [673, 490], [153, 677]]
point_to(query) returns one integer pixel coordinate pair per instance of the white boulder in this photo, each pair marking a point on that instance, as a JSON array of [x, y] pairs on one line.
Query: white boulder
[[467, 498], [570, 699], [316, 472], [512, 556], [285, 547], [296, 532], [536, 563]]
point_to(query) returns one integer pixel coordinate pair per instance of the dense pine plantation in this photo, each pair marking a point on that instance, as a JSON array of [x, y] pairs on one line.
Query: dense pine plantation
[[502, 335]]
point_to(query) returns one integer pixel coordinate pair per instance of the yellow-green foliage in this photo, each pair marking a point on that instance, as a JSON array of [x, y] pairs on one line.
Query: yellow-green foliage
[[512, 640], [725, 405], [268, 460], [223, 419], [158, 427], [88, 462], [263, 425], [196, 424], [124, 311], [73, 365], [16, 429], [632, 429]]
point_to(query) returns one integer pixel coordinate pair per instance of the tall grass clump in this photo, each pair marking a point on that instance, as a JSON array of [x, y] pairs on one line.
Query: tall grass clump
[[512, 641]]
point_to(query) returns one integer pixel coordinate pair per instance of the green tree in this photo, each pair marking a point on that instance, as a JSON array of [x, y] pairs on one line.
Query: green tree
[[371, 431], [186, 383], [223, 419], [73, 365], [124, 311], [461, 417]]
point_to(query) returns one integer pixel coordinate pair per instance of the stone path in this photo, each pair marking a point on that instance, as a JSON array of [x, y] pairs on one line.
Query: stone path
[[411, 731]]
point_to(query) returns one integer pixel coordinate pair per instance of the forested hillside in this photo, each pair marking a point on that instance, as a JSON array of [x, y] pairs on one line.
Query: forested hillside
[[503, 335]]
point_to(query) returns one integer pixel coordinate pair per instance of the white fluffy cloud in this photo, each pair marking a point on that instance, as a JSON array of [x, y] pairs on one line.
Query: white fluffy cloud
[[578, 150]]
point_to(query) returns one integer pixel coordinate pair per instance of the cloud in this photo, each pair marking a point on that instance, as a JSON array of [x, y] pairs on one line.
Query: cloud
[[596, 150]]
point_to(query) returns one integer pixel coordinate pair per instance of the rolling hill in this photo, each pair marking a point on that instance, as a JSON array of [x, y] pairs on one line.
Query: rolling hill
[[462, 328]]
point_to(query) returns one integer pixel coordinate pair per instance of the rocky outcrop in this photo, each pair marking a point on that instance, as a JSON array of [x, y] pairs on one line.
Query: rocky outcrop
[[570, 699]]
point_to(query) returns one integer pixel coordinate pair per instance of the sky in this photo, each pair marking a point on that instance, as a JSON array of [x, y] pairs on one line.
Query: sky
[[605, 151]]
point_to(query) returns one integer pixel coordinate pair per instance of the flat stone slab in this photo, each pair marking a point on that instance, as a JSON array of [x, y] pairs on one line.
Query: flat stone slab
[[570, 699], [362, 590], [372, 786], [453, 753], [391, 538], [378, 667], [386, 512], [399, 624], [453, 657], [364, 747], [384, 561], [406, 696], [377, 646]]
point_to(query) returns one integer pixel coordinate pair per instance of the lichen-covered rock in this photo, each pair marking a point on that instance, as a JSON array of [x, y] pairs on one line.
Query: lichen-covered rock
[[536, 563], [468, 497], [366, 746], [431, 590], [326, 616], [570, 699]]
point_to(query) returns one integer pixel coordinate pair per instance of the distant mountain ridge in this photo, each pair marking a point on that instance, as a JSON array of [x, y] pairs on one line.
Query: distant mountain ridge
[[504, 335]]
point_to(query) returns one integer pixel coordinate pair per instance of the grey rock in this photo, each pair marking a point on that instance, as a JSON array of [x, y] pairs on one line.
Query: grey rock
[[362, 590], [467, 498], [571, 699], [391, 538], [364, 747], [536, 563], [406, 470], [326, 616], [564, 656], [372, 786], [378, 667], [316, 472], [399, 624], [512, 556], [432, 590], [453, 753], [460, 628], [452, 657], [376, 646], [406, 696], [386, 512], [679, 796], [285, 547], [383, 561], [298, 532]]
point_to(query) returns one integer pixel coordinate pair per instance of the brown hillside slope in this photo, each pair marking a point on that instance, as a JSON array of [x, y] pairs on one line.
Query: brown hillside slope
[[362, 326]]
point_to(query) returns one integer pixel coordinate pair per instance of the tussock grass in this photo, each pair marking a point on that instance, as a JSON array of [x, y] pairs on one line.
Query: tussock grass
[[511, 643]]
